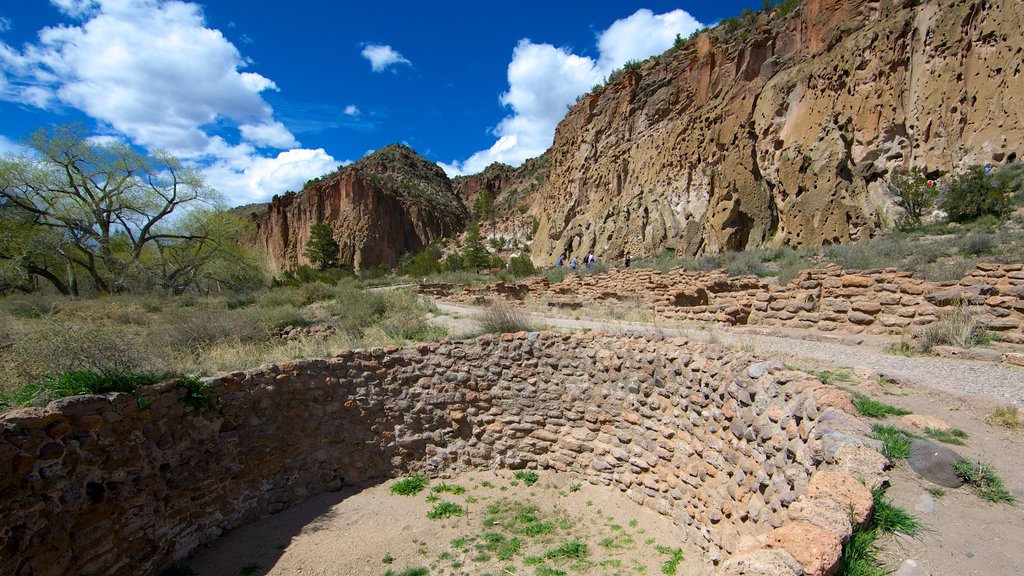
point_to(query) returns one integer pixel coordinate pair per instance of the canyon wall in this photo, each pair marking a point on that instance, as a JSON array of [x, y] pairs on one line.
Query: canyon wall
[[388, 204], [729, 447], [783, 129]]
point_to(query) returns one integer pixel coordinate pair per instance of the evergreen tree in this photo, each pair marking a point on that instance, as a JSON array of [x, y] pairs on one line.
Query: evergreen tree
[[474, 254], [322, 249]]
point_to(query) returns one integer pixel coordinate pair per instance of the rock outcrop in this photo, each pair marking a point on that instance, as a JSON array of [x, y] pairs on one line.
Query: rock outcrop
[[511, 190], [389, 203], [777, 129]]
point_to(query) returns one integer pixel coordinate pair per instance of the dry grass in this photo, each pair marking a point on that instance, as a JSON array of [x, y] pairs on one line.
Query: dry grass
[[958, 326], [1006, 417], [501, 317], [42, 337]]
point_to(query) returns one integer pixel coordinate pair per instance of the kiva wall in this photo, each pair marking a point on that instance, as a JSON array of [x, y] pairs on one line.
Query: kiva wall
[[127, 483]]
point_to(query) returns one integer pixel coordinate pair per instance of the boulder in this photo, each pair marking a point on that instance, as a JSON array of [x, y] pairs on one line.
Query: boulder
[[765, 562], [935, 462], [845, 489], [815, 548]]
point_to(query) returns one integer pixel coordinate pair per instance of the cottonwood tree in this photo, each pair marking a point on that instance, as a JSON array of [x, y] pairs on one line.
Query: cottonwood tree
[[103, 209]]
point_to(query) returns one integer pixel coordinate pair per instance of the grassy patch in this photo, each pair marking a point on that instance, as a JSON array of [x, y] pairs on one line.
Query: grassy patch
[[448, 488], [409, 486], [196, 396], [888, 518], [873, 408], [503, 547], [832, 377], [936, 492], [518, 518], [528, 477], [77, 383], [953, 436], [670, 566], [860, 554], [1005, 416], [895, 441], [446, 509], [985, 481], [573, 550], [408, 572]]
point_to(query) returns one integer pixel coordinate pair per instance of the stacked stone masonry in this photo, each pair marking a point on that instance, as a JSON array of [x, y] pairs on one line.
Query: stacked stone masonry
[[729, 447], [829, 299]]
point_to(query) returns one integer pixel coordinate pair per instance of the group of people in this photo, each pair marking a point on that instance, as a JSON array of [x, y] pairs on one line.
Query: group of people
[[588, 261], [574, 264]]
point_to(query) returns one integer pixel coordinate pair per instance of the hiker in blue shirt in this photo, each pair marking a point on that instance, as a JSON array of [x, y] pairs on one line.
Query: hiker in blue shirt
[[575, 263]]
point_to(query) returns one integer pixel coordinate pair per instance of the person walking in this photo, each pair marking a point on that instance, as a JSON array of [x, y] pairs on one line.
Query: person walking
[[575, 263], [561, 257], [589, 260]]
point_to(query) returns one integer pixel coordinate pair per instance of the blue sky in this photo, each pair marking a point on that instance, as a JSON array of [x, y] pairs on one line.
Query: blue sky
[[263, 95]]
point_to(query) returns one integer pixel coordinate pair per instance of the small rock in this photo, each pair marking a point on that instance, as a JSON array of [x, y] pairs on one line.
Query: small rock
[[762, 563], [925, 504], [935, 462], [911, 567], [923, 421]]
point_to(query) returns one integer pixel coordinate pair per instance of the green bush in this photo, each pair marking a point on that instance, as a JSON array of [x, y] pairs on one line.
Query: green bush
[[520, 266], [913, 195], [973, 194], [424, 263], [196, 396], [409, 486]]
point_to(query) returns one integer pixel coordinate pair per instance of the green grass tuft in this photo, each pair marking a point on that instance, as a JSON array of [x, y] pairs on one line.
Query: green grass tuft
[[573, 550], [873, 408], [449, 488], [408, 572], [670, 566], [953, 436], [409, 486], [984, 479], [528, 477], [890, 519], [895, 441], [1005, 416], [446, 509], [77, 383]]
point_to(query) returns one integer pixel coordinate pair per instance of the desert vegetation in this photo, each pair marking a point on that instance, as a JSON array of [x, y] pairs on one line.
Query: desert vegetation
[[127, 336]]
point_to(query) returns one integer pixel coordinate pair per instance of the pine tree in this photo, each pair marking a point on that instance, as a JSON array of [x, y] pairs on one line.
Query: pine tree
[[322, 249], [474, 254]]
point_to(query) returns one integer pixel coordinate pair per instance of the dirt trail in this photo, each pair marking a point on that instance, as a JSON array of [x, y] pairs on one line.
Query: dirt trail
[[986, 381]]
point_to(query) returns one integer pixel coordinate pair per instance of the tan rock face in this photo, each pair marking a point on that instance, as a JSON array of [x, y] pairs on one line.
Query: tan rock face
[[845, 490], [511, 190], [379, 208], [815, 548], [785, 131]]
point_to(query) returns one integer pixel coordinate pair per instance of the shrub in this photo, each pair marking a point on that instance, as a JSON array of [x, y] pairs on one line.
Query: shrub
[[972, 194], [913, 195], [528, 477], [500, 318], [196, 396], [977, 243], [521, 266], [958, 326]]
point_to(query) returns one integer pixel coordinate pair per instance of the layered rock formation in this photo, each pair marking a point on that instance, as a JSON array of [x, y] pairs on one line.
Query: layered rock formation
[[783, 129], [512, 191], [379, 208]]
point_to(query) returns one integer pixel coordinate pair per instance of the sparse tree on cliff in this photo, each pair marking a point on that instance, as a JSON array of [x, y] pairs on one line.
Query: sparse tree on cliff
[[913, 195], [322, 249]]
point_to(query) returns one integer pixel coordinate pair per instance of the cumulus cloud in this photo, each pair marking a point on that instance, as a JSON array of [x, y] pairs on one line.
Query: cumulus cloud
[[5, 24], [152, 71], [351, 110], [543, 80], [8, 146], [250, 179], [382, 56]]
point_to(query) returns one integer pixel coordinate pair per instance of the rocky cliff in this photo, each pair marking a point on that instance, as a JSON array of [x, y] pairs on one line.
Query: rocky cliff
[[782, 129], [389, 203], [512, 191]]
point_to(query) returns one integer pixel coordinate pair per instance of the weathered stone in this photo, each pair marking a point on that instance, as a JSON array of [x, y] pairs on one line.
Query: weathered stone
[[922, 421], [935, 463], [815, 548], [845, 489], [765, 562], [824, 513]]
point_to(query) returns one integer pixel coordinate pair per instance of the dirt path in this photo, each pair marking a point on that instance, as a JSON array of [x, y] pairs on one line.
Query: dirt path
[[989, 382]]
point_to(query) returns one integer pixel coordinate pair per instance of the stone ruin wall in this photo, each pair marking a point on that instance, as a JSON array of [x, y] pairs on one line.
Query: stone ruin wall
[[827, 300], [728, 447]]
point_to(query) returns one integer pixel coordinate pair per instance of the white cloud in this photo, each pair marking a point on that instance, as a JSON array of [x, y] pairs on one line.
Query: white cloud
[[248, 181], [544, 79], [382, 56], [272, 134], [152, 71], [352, 110], [5, 24], [9, 146], [75, 8]]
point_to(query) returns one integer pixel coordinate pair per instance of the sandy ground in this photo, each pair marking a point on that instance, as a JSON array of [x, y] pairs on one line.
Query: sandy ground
[[352, 533]]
